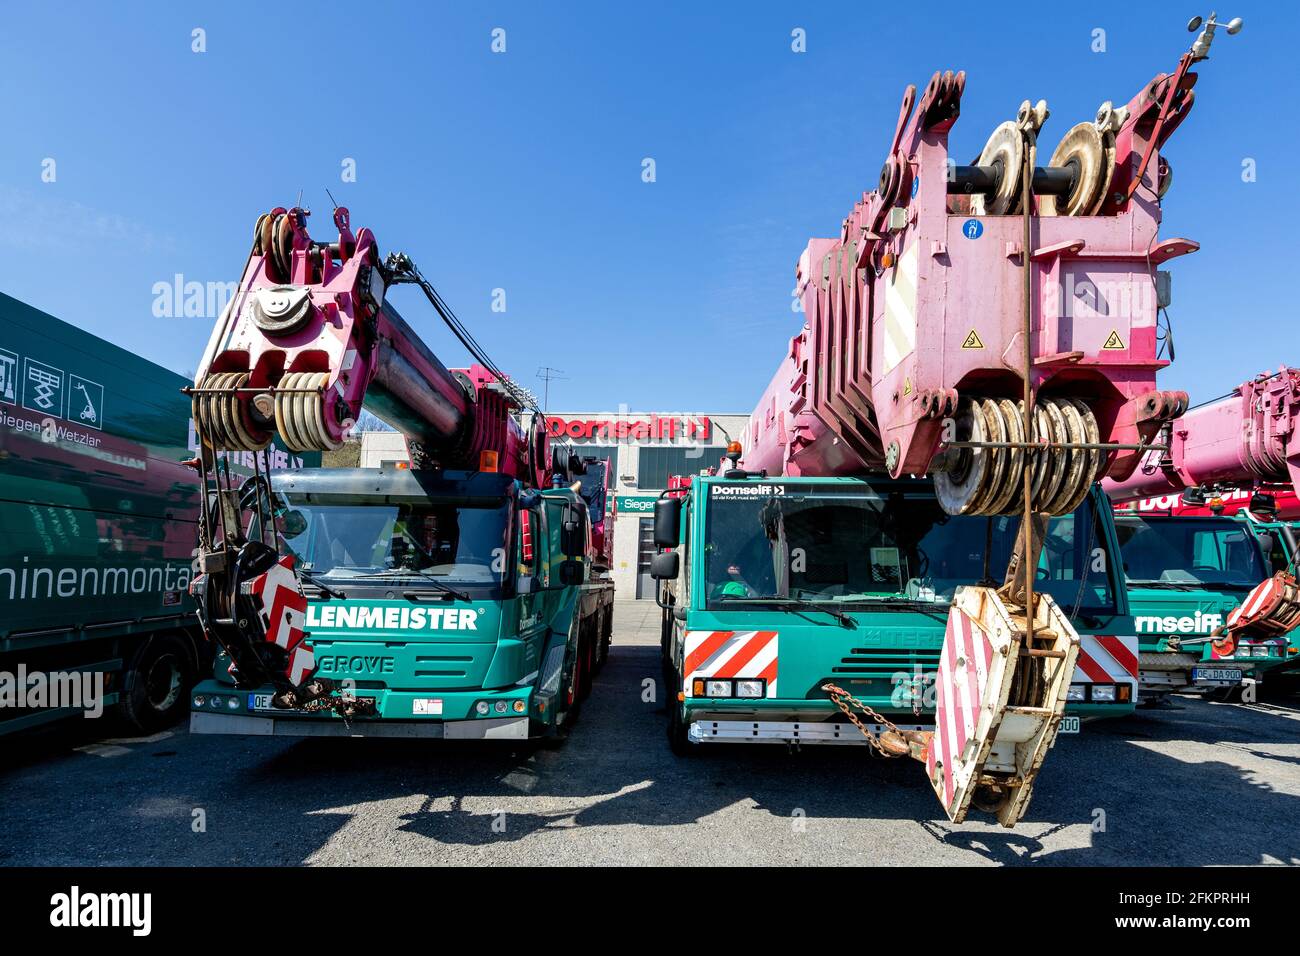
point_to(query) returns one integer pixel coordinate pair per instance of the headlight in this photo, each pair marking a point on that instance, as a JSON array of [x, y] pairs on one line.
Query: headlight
[[750, 688], [481, 708], [1103, 692], [501, 706], [520, 707], [199, 700], [717, 688], [232, 703], [216, 702], [1076, 692]]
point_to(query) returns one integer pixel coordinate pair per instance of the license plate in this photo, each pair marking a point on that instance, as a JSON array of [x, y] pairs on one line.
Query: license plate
[[1069, 725], [259, 702], [1216, 675]]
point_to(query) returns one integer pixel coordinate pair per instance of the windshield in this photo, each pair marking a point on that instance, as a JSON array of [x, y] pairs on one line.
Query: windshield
[[856, 544], [453, 544], [1188, 551]]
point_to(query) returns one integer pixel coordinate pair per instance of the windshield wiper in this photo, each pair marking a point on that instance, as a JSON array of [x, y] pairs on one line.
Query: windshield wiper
[[936, 609], [308, 578], [801, 603], [426, 576]]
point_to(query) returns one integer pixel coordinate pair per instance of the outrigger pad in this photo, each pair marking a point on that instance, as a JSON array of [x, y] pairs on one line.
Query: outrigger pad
[[997, 712]]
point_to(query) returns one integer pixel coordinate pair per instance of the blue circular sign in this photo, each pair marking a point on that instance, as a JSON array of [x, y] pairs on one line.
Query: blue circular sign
[[972, 228]]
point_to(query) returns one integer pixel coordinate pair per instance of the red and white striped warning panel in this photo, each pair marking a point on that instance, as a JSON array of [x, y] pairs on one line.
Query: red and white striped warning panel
[[1107, 659], [1271, 609], [964, 667], [737, 655], [282, 608]]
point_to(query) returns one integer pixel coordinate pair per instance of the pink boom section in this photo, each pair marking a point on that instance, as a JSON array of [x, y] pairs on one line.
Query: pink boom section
[[1247, 437], [917, 301], [310, 319]]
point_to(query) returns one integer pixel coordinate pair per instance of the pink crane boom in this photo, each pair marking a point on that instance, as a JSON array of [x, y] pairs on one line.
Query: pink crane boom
[[913, 358]]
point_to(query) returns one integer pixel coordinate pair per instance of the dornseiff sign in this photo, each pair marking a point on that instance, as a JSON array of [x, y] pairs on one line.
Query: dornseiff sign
[[640, 428]]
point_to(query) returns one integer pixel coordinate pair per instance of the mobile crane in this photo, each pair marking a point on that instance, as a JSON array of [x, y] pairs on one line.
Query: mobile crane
[[1243, 442], [453, 598], [939, 342]]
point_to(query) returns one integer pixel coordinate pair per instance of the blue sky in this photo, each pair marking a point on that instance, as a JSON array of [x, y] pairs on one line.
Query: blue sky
[[522, 171]]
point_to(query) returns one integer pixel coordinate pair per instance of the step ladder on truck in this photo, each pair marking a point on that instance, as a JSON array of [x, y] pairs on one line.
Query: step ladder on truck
[[937, 344]]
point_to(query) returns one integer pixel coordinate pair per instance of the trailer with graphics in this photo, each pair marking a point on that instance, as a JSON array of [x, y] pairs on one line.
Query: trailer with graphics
[[98, 523], [459, 594]]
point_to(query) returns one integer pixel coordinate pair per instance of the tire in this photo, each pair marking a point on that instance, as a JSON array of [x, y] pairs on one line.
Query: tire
[[587, 654], [156, 685], [603, 631], [572, 692]]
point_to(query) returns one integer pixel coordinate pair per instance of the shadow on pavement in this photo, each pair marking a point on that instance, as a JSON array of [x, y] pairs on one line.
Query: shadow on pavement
[[280, 802]]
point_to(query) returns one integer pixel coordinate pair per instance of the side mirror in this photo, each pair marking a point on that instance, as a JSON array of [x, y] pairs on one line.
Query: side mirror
[[293, 523], [668, 523], [1263, 504], [665, 566], [570, 572], [574, 536]]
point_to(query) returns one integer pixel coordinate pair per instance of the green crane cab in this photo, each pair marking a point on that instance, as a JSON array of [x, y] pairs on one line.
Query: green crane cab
[[440, 603], [1184, 575], [776, 587]]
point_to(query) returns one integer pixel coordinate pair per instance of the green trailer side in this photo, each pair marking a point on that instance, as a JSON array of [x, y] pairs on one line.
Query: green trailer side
[[97, 522]]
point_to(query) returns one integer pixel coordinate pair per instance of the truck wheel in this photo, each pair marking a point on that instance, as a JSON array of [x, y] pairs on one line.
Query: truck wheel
[[606, 632], [600, 634], [587, 655], [572, 693], [157, 685]]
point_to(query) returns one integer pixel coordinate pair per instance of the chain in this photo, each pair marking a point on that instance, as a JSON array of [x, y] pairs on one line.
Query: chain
[[840, 696]]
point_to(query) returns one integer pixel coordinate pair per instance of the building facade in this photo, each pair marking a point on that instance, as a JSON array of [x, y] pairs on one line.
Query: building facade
[[644, 449]]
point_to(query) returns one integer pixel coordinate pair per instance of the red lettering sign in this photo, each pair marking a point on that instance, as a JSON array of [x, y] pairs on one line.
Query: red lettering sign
[[652, 428]]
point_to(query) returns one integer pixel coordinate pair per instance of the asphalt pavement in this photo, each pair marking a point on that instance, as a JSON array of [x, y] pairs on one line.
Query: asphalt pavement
[[1194, 783]]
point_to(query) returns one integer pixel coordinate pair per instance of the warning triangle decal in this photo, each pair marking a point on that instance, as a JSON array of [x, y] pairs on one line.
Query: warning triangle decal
[[1113, 341], [972, 341]]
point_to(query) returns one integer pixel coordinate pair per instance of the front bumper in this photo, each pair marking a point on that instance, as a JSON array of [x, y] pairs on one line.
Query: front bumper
[[488, 728], [785, 731], [450, 715]]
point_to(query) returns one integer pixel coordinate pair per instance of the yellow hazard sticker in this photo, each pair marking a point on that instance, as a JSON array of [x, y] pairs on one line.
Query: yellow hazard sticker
[[1113, 341], [907, 386], [972, 341]]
